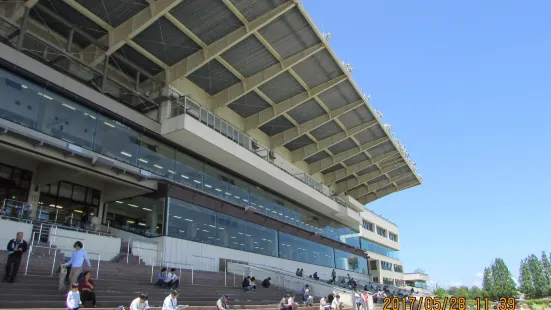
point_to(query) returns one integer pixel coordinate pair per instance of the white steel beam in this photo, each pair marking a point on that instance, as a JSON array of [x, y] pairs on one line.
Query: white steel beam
[[377, 195], [291, 134], [342, 173], [358, 180], [333, 160], [369, 188], [234, 92], [267, 115], [325, 144], [195, 61], [123, 33]]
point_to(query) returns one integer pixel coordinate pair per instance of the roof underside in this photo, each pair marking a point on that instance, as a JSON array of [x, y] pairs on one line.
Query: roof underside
[[263, 59]]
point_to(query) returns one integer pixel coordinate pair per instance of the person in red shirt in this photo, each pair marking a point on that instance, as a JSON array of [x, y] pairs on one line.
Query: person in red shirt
[[87, 288]]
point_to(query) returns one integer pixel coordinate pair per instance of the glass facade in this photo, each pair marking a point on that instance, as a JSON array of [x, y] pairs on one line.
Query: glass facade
[[350, 262], [64, 202], [191, 222], [371, 246], [381, 231], [386, 265], [14, 187], [194, 223], [38, 108], [398, 268], [140, 215], [302, 250]]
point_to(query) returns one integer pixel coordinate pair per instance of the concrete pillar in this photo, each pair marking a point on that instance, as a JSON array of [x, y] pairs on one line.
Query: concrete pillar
[[34, 197], [152, 220]]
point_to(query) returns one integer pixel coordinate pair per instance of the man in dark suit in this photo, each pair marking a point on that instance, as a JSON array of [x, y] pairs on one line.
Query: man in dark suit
[[16, 247]]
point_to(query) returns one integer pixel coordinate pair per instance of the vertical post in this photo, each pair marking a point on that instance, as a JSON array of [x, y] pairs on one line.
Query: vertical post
[[97, 271], [28, 259], [152, 271], [225, 276], [70, 40], [53, 263], [32, 237], [23, 30], [55, 219], [71, 223], [234, 279], [108, 223], [191, 275], [138, 81], [128, 250], [39, 233], [104, 77]]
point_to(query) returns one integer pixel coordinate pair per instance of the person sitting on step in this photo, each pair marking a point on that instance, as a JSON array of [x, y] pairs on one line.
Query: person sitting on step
[[266, 283], [140, 303], [171, 301], [161, 277], [174, 281], [87, 288], [252, 284], [222, 303], [246, 283]]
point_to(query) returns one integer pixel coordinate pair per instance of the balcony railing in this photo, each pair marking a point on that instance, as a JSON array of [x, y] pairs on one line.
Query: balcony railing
[[186, 105]]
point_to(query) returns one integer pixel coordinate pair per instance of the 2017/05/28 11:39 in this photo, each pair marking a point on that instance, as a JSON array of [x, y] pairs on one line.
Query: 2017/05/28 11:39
[[445, 303]]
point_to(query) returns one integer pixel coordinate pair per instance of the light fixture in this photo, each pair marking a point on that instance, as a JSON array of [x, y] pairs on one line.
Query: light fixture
[[108, 124], [68, 106], [157, 166], [146, 209], [126, 154], [143, 160], [185, 177], [170, 171], [207, 185], [118, 201], [197, 181], [178, 217], [135, 206], [188, 220]]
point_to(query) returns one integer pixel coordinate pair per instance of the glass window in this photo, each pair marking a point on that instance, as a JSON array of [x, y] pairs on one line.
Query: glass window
[[20, 101], [116, 140], [140, 215], [350, 262], [381, 231], [371, 246], [191, 222], [79, 193], [302, 250], [373, 265], [398, 268], [388, 281], [386, 265], [66, 120], [367, 225], [188, 171], [393, 237], [65, 189], [5, 172], [155, 157]]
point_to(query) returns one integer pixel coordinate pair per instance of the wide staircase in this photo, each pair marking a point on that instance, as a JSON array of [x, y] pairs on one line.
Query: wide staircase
[[119, 282]]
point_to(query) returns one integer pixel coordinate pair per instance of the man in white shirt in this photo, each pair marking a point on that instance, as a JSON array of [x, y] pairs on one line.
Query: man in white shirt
[[140, 303], [94, 222], [171, 302], [172, 279]]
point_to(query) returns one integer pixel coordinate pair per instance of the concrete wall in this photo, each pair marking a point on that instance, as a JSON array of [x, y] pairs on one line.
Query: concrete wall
[[103, 247], [207, 257], [9, 229]]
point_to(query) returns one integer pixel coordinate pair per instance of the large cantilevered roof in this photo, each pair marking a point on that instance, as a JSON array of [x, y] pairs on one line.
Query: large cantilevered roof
[[265, 60]]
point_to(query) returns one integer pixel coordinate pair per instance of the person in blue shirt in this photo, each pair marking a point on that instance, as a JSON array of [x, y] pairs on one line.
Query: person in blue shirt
[[161, 277], [77, 260]]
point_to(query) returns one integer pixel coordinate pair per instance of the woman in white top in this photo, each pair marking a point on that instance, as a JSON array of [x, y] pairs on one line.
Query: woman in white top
[[140, 303], [171, 302], [336, 304]]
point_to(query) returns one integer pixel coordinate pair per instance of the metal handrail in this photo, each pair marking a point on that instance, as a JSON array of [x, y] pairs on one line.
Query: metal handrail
[[290, 274], [153, 265], [31, 247], [248, 141]]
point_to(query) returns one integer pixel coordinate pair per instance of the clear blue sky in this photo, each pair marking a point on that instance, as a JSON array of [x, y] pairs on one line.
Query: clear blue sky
[[466, 85]]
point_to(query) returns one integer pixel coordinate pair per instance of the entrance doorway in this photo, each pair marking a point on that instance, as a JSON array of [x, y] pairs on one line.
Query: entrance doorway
[[66, 203]]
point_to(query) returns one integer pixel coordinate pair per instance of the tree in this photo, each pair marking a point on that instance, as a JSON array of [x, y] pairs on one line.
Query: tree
[[487, 281], [546, 270], [476, 292], [440, 292], [539, 282], [526, 285], [497, 280]]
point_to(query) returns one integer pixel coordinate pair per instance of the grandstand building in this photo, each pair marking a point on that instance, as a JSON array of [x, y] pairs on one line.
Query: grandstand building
[[200, 131]]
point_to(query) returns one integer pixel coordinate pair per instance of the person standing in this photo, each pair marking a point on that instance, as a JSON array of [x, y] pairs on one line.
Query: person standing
[[77, 260], [84, 221], [94, 222], [171, 301], [333, 276], [27, 210], [73, 298], [16, 247]]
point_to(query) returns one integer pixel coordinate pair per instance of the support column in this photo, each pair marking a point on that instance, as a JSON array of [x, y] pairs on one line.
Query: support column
[[152, 220], [23, 31]]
